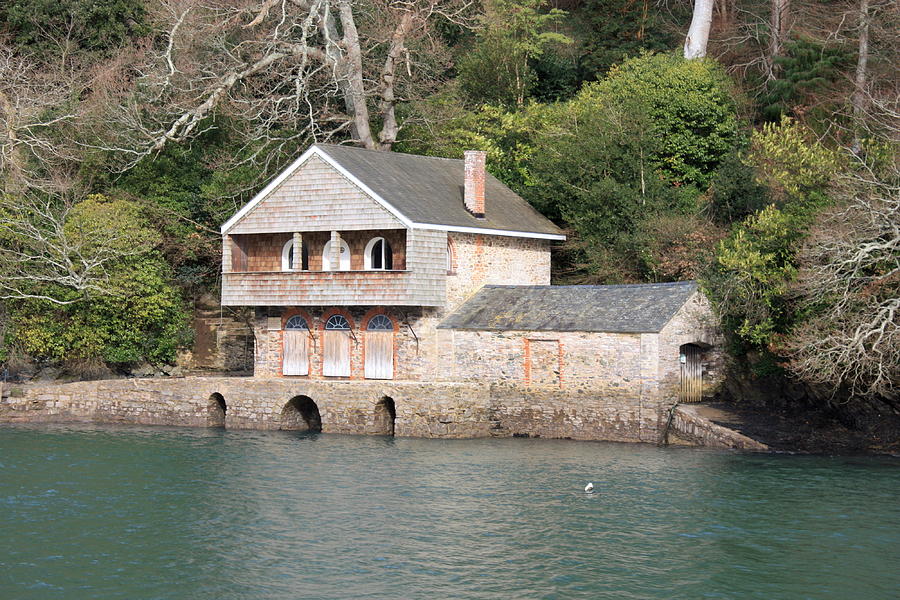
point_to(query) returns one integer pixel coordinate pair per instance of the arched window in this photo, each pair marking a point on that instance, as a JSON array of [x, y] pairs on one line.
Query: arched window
[[296, 323], [287, 256], [336, 347], [379, 256], [337, 322], [295, 355], [380, 323], [345, 257], [380, 348]]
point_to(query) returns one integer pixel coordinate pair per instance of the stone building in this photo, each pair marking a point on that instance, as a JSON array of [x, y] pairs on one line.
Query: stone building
[[387, 266]]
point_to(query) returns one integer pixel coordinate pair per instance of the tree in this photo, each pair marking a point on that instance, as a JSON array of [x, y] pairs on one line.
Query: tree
[[849, 288], [690, 108], [63, 252], [780, 20], [750, 279], [287, 70], [698, 34], [87, 281], [515, 32]]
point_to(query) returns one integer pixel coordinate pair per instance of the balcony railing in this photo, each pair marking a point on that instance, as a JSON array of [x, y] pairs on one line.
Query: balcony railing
[[328, 288]]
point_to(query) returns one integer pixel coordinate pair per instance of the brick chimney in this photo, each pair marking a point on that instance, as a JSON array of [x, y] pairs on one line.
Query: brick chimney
[[474, 190]]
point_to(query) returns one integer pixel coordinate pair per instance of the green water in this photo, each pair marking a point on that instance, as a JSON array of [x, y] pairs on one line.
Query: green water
[[108, 512]]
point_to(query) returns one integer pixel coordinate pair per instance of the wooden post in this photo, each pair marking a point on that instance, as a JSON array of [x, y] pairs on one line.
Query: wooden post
[[297, 262]]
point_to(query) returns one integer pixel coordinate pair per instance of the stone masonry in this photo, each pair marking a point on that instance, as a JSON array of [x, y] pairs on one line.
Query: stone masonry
[[452, 410]]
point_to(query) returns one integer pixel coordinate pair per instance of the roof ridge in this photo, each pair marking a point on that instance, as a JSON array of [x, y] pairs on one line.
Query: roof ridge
[[684, 282], [388, 152]]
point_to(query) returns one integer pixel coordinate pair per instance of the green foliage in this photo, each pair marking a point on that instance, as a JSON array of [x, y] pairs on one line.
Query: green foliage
[[735, 192], [689, 109], [498, 70], [808, 69], [506, 136], [592, 170], [109, 225], [621, 29], [749, 282], [50, 27], [557, 77], [144, 320], [792, 163], [137, 316]]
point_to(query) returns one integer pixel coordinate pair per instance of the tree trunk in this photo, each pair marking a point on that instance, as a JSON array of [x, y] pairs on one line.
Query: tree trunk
[[698, 34], [779, 26], [862, 62], [390, 128], [352, 83]]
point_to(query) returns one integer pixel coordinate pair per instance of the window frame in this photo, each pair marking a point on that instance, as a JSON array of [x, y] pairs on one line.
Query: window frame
[[387, 252]]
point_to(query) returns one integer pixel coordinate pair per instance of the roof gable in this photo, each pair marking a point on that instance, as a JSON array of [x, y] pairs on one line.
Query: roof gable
[[640, 308], [313, 195], [419, 191]]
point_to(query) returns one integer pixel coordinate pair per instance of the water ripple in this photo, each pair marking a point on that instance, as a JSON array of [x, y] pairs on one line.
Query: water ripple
[[117, 512]]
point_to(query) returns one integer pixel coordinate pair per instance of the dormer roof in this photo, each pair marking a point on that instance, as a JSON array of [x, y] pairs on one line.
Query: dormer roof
[[423, 192]]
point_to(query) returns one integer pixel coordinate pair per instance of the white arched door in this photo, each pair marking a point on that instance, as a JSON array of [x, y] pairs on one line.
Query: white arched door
[[336, 347], [295, 357], [380, 348]]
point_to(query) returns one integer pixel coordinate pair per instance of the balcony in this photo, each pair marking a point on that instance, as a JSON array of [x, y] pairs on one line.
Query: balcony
[[330, 288]]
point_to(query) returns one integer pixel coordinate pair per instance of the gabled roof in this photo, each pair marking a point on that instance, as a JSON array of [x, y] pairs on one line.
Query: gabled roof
[[640, 308], [423, 192]]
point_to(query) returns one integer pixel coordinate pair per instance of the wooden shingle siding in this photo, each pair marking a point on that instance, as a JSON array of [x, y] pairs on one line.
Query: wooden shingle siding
[[340, 288], [316, 198], [426, 258]]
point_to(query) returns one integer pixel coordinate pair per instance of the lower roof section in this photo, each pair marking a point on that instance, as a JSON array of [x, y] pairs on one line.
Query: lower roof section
[[639, 308]]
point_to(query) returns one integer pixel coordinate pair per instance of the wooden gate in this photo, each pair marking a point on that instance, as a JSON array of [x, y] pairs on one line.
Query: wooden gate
[[295, 358], [380, 348], [691, 374], [336, 347]]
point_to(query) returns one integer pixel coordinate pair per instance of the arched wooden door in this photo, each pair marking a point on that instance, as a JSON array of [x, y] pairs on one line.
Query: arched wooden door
[[295, 359], [691, 373], [380, 348], [336, 347]]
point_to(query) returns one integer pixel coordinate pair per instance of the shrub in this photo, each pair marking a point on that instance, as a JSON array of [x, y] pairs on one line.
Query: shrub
[[689, 107]]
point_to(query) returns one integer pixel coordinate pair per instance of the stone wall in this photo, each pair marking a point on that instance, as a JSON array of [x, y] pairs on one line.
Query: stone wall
[[221, 342], [691, 427], [454, 410], [477, 260], [694, 323]]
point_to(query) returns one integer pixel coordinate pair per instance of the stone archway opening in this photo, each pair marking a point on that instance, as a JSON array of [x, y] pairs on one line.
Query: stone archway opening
[[385, 416], [301, 414], [215, 410]]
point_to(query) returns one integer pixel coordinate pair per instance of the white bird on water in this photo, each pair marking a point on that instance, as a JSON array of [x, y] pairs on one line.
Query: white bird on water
[[589, 488]]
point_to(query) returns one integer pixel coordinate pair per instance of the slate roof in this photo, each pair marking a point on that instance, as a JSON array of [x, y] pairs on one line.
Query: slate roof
[[640, 308], [429, 190]]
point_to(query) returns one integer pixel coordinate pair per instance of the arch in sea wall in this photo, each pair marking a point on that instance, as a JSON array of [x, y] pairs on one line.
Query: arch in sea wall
[[385, 416], [217, 409], [301, 413]]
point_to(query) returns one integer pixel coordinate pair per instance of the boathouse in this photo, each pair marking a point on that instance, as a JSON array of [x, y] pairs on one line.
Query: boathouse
[[366, 265]]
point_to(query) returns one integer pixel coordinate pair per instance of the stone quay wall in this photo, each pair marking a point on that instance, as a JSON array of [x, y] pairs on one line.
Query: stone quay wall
[[690, 426], [434, 410]]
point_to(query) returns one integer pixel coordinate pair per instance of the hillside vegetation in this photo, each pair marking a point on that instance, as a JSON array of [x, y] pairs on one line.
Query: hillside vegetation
[[768, 169]]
